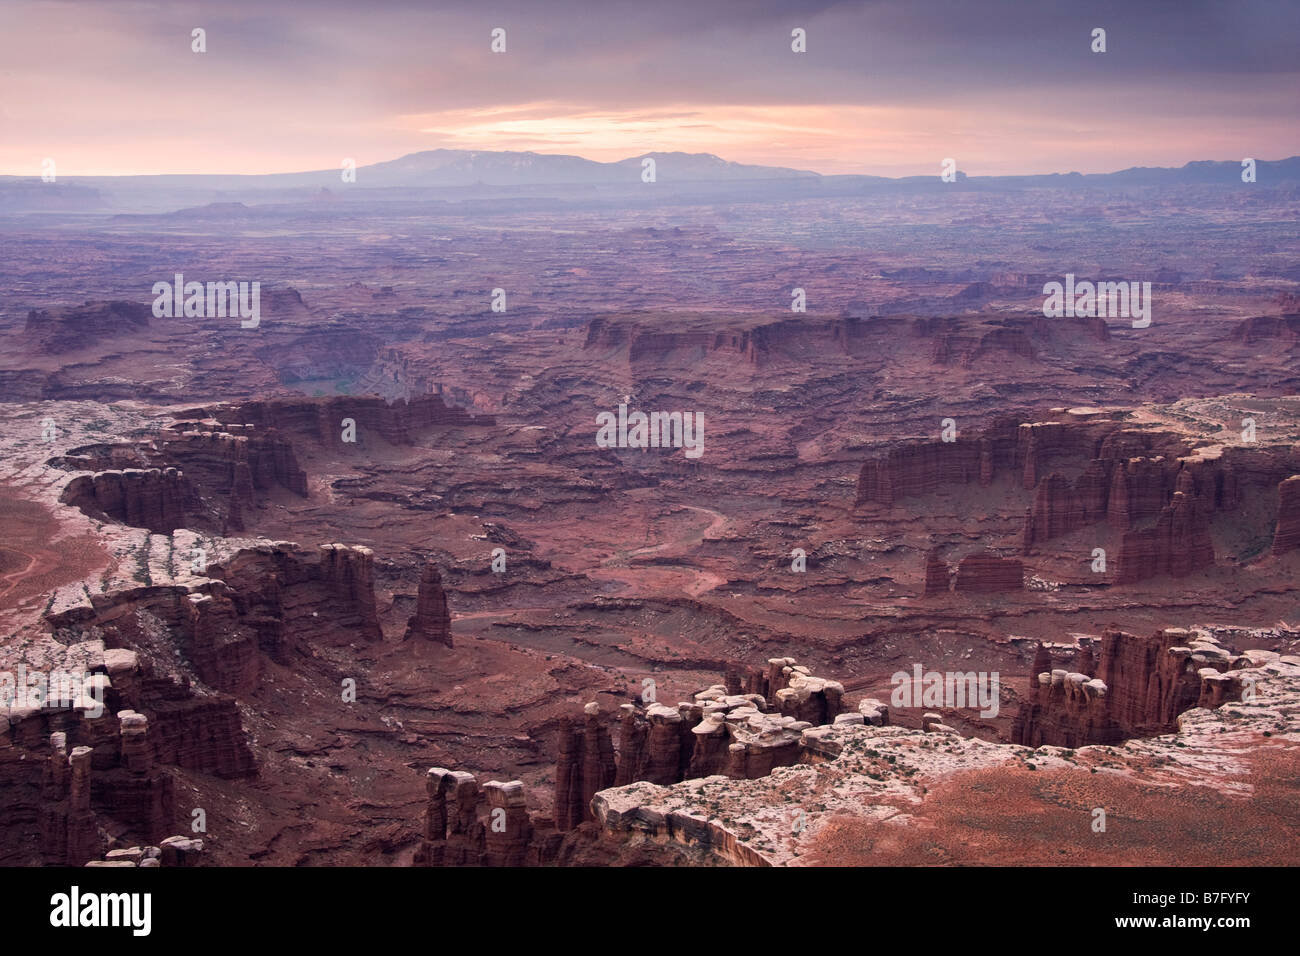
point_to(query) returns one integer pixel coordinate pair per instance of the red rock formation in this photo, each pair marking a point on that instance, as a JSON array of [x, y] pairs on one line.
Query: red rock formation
[[1140, 489], [234, 459], [919, 469], [598, 764], [983, 572], [509, 829], [454, 836], [508, 836], [1143, 684], [584, 765], [204, 734], [1178, 544], [1155, 679], [1286, 537], [1066, 710], [206, 476], [755, 345], [1129, 479], [965, 349], [1042, 665], [432, 619], [321, 419], [937, 580], [348, 574], [160, 500], [1060, 507], [119, 782], [1269, 328], [74, 328], [743, 734], [180, 851]]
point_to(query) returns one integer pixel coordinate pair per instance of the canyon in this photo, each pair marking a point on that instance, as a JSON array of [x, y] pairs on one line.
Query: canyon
[[361, 586]]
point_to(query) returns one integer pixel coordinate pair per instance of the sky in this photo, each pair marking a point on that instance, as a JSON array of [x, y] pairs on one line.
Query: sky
[[112, 87]]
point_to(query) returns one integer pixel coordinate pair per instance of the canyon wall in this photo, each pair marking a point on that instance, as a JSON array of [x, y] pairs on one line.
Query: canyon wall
[[1140, 688], [985, 573], [206, 474], [1286, 535], [73, 771], [321, 419], [742, 728], [159, 499], [1157, 490]]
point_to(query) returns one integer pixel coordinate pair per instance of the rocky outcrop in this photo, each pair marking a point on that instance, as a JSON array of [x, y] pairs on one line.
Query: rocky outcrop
[[347, 572], [1008, 446], [852, 770], [1154, 680], [983, 573], [1061, 506], [755, 345], [52, 332], [203, 475], [160, 500], [1157, 489], [91, 776], [1283, 329], [920, 469], [267, 599], [1066, 709], [937, 576], [1141, 687], [509, 828], [287, 597], [204, 734], [432, 619], [1178, 544], [455, 835], [742, 728], [147, 719], [1286, 536], [965, 349], [320, 420], [584, 764], [233, 458], [173, 851]]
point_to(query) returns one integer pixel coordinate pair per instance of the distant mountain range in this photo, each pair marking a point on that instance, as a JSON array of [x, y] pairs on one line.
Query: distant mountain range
[[457, 173], [458, 167]]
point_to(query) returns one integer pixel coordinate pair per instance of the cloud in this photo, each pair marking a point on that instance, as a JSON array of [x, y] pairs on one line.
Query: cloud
[[113, 86]]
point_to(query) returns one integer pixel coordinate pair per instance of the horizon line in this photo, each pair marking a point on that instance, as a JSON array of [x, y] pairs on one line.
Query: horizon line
[[657, 152]]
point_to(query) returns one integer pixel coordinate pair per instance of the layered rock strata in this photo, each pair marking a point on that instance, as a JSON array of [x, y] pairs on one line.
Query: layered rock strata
[[985, 573], [465, 825], [857, 776], [322, 420], [432, 619], [743, 728], [1156, 489], [1286, 535], [1140, 688]]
